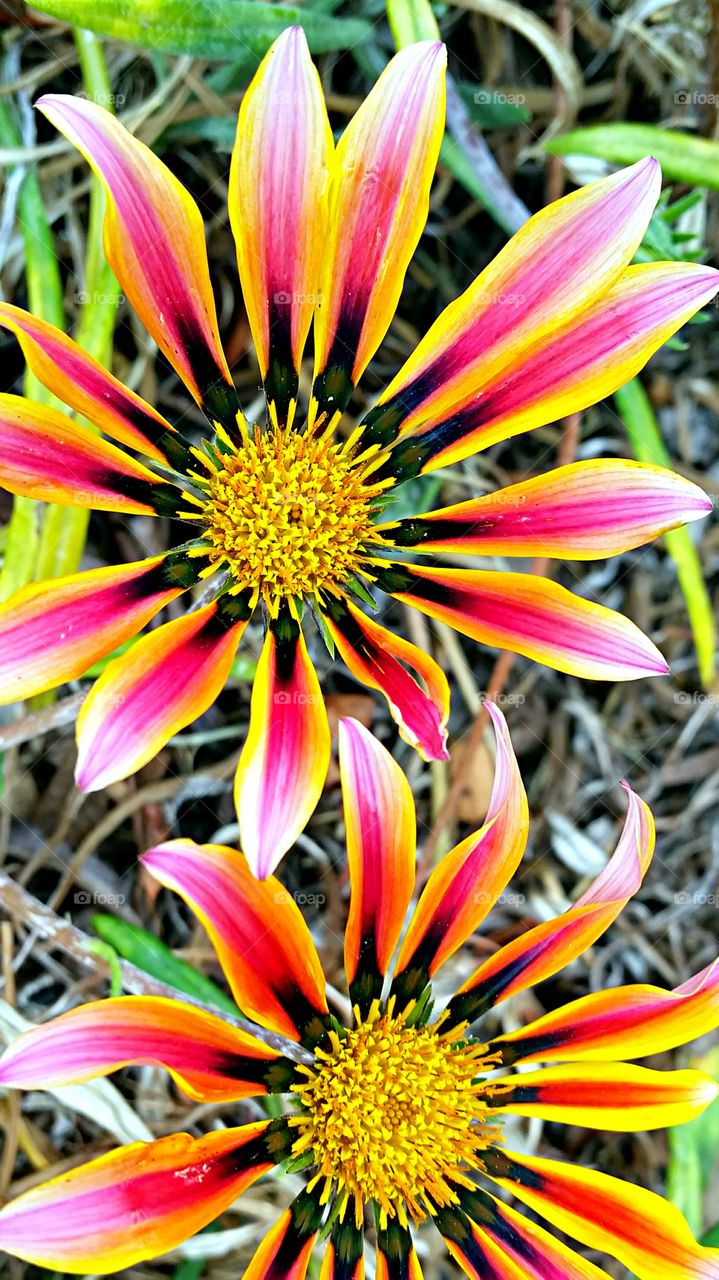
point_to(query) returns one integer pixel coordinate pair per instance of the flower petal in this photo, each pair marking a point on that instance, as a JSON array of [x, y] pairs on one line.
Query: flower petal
[[605, 1095], [134, 1203], [154, 241], [396, 1258], [208, 1058], [51, 632], [285, 1251], [381, 831], [642, 1230], [256, 928], [375, 656], [537, 1254], [466, 884], [47, 456], [378, 205], [164, 682], [344, 1258], [557, 264], [532, 616], [583, 511], [547, 948], [81, 381], [626, 1022], [286, 755], [579, 363], [277, 207]]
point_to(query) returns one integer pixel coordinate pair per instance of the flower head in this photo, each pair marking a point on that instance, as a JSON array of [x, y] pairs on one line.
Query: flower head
[[395, 1115], [287, 516]]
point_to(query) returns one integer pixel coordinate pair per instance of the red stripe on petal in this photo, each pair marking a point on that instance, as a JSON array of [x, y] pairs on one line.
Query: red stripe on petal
[[256, 928], [155, 243], [51, 632], [285, 1252], [286, 756], [164, 682]]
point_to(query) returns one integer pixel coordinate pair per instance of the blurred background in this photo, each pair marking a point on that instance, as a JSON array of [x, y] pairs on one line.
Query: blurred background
[[543, 97]]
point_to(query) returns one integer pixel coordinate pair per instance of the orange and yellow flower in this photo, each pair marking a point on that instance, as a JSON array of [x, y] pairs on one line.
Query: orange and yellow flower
[[398, 1114], [286, 516]]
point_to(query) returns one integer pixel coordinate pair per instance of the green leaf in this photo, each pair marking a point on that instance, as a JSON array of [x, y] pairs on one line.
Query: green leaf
[[645, 438], [149, 953], [693, 1151], [206, 28], [683, 156]]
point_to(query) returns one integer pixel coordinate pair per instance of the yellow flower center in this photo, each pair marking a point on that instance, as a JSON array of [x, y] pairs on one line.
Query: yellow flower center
[[289, 514], [390, 1114]]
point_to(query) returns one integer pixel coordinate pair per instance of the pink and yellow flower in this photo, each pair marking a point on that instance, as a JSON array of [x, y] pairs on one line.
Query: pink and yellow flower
[[286, 516], [400, 1112]]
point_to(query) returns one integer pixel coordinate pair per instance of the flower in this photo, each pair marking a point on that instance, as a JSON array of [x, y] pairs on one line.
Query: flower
[[401, 1110], [287, 517]]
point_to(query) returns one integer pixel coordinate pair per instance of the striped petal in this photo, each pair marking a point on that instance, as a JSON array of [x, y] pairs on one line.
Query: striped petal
[[541, 952], [256, 928], [277, 207], [532, 616], [378, 205], [164, 682], [524, 1244], [51, 632], [344, 1258], [605, 1095], [135, 1203], [466, 884], [208, 1058], [376, 656], [642, 1230], [82, 383], [583, 511], [396, 1257], [626, 1022], [154, 241], [381, 829], [285, 1252], [46, 456], [580, 362], [286, 755], [556, 265]]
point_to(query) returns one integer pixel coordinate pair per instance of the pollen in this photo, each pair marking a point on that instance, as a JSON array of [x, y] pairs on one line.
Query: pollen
[[289, 514], [393, 1114]]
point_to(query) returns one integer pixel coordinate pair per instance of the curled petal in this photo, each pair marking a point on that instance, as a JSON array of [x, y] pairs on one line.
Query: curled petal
[[155, 243], [164, 682], [605, 1095], [547, 948], [51, 632], [285, 1252], [642, 1230], [286, 755], [466, 884], [556, 265], [207, 1057], [81, 381], [381, 839], [583, 511], [626, 1022], [376, 657], [378, 204], [135, 1203], [256, 928], [277, 206], [46, 456], [578, 364], [532, 616]]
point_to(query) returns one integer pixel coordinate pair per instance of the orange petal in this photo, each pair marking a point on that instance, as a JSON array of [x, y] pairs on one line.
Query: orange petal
[[494, 1241], [396, 1257], [256, 928], [285, 1252], [380, 824]]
